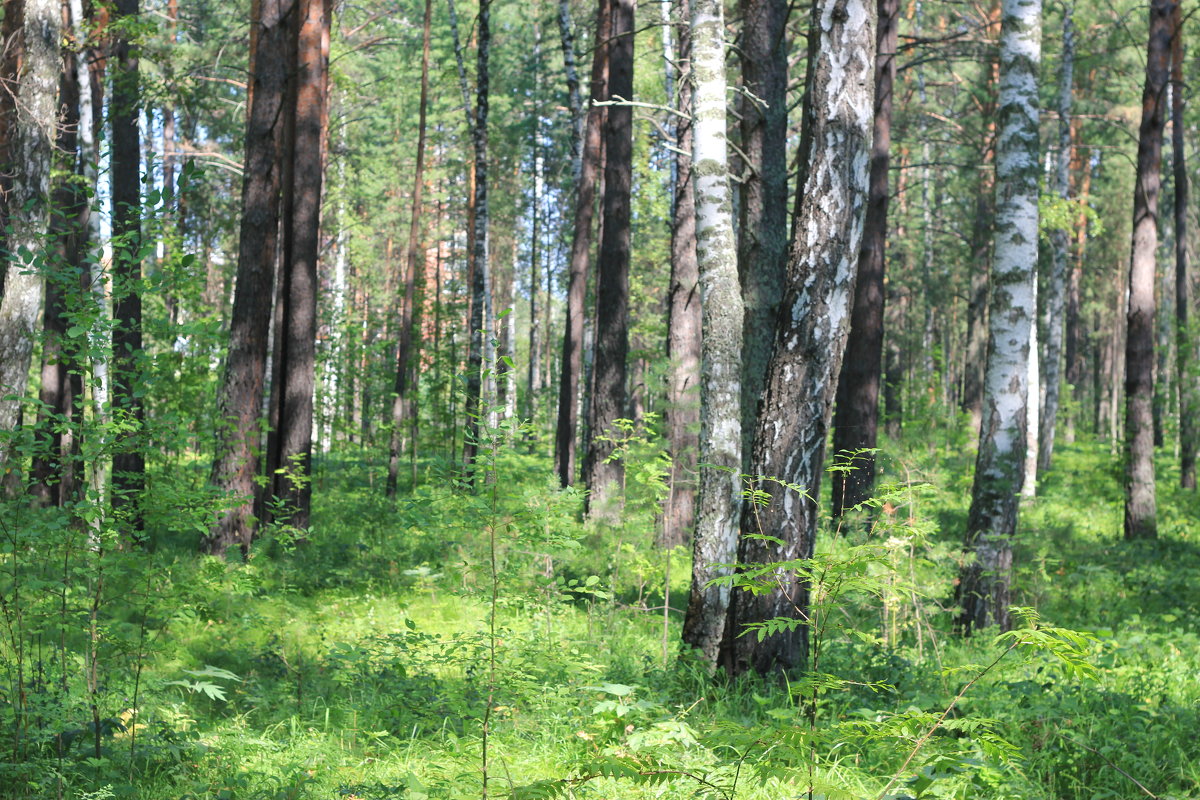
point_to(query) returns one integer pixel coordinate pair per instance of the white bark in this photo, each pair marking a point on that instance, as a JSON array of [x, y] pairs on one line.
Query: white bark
[[720, 497], [37, 91]]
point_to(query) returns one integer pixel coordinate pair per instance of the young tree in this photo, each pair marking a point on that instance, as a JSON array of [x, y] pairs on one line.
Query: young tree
[[239, 398], [25, 206], [789, 442], [856, 423], [605, 477], [577, 269], [1140, 519], [715, 542], [1000, 463]]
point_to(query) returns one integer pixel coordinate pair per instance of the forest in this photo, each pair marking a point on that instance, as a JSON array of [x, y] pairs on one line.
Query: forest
[[743, 399]]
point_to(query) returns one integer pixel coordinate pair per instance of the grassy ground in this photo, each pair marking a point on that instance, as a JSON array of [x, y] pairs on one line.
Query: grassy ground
[[361, 665]]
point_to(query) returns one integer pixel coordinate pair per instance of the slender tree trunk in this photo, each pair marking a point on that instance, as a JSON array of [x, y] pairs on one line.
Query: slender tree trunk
[[605, 478], [684, 323], [715, 543], [404, 350], [762, 228], [1140, 519], [129, 463], [574, 100], [1055, 301], [239, 399], [1185, 341], [789, 443], [577, 271], [1074, 345], [1000, 464], [480, 314], [12, 51], [856, 423], [26, 207], [301, 244]]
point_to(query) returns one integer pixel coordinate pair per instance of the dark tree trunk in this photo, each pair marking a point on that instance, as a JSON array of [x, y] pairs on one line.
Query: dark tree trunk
[[856, 423], [762, 227], [577, 271], [239, 400], [480, 313], [1140, 517], [408, 326], [1185, 347], [301, 244], [12, 48], [789, 443], [683, 329], [605, 478], [129, 464]]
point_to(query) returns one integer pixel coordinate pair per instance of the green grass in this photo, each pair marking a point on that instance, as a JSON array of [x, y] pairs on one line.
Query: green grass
[[362, 658]]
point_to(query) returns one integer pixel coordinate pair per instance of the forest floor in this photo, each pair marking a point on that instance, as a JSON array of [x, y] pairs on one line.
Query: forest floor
[[360, 665]]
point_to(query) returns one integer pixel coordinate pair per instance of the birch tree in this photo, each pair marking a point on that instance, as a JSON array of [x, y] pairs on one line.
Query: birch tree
[[715, 541], [27, 208], [983, 588], [789, 441]]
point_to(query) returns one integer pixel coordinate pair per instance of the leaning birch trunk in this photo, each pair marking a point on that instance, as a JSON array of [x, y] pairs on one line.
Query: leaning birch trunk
[[28, 212], [789, 443], [715, 543], [1056, 295], [1140, 503], [1000, 464]]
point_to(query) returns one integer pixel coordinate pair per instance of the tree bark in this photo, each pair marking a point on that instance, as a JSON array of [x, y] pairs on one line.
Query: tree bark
[[480, 314], [856, 421], [577, 271], [715, 542], [1055, 301], [762, 228], [239, 400], [301, 245], [404, 349], [25, 205], [1000, 463], [129, 463], [1185, 341], [789, 443], [1140, 518], [604, 477]]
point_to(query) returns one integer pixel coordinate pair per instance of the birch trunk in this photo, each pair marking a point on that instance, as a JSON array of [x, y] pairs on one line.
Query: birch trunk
[[1056, 296], [27, 208], [715, 543], [1140, 505], [1000, 463], [789, 442]]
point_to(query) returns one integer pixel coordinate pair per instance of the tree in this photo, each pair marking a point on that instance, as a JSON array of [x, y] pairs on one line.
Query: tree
[[856, 424], [762, 227], [1055, 302], [581, 243], [1185, 347], [1000, 462], [1140, 521], [25, 206], [715, 542], [605, 476], [684, 322], [239, 398], [789, 441], [290, 465]]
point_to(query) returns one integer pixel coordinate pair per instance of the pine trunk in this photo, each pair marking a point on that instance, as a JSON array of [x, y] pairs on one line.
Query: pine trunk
[[1140, 516], [1185, 341]]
